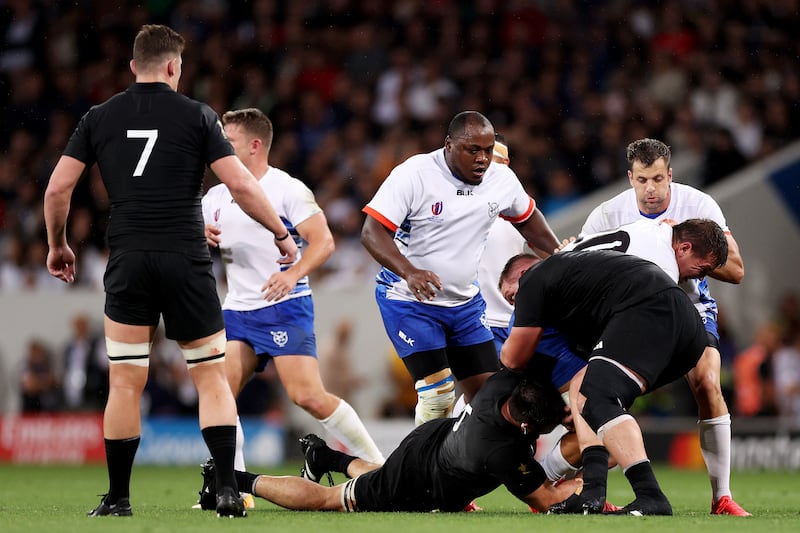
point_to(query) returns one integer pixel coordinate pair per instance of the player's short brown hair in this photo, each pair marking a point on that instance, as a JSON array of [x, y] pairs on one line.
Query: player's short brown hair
[[155, 43], [253, 121], [647, 152]]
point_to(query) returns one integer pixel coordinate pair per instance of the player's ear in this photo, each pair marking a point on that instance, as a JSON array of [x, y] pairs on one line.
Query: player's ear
[[132, 65], [171, 67]]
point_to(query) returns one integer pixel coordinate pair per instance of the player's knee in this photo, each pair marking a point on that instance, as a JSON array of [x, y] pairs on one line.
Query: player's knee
[[609, 392], [435, 396], [211, 352], [313, 403], [137, 354]]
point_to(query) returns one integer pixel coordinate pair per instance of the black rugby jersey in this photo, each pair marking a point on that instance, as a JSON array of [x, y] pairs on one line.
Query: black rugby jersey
[[577, 293], [152, 146]]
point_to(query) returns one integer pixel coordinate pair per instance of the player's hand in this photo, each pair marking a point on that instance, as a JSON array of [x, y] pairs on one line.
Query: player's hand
[[278, 285], [564, 244], [61, 263], [288, 249], [213, 235], [423, 284]]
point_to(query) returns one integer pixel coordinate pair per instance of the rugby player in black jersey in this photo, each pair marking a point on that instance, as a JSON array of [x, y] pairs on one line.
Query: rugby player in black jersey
[[152, 145]]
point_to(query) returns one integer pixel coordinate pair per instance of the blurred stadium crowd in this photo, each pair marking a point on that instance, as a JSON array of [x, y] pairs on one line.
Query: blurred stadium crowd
[[354, 87]]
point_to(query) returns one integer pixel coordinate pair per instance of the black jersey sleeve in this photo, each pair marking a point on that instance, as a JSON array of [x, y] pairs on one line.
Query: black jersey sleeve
[[79, 145], [530, 299], [217, 143], [517, 469]]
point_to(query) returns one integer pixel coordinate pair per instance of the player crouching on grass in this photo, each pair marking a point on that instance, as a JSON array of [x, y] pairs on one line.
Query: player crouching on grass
[[441, 465]]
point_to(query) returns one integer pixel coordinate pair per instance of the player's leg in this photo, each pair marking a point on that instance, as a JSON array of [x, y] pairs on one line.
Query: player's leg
[[205, 358], [240, 364], [131, 317], [606, 392], [298, 494], [471, 349], [301, 379], [128, 350], [193, 317], [472, 366], [714, 426], [416, 331]]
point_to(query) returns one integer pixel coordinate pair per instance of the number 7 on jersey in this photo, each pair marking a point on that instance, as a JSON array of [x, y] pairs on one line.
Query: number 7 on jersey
[[151, 136]]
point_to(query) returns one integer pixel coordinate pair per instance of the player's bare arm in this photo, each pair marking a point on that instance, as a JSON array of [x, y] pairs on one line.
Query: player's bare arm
[[314, 230], [251, 198], [547, 494], [538, 233], [379, 242], [60, 258], [519, 347], [733, 269]]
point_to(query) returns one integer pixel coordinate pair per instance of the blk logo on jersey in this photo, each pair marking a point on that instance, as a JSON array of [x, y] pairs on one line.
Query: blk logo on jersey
[[280, 338], [437, 208], [408, 340], [464, 192]]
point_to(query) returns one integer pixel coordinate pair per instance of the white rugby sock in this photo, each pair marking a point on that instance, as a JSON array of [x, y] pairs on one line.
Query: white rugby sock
[[238, 458], [715, 445], [555, 466], [346, 427]]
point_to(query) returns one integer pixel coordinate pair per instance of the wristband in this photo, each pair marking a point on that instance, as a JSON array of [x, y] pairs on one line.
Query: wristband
[[282, 238]]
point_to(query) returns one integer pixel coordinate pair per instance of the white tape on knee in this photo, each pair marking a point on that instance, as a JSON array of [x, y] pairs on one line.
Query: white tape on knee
[[434, 400], [610, 424], [130, 353], [209, 353]]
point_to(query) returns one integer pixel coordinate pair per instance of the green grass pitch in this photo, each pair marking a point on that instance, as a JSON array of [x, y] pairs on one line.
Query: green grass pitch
[[55, 499]]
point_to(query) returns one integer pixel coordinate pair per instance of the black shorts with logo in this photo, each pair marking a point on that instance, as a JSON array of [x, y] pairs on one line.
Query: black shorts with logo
[[661, 338], [143, 285]]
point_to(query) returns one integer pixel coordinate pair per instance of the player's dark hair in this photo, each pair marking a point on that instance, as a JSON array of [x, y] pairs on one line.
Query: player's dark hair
[[154, 43], [706, 236], [537, 404], [253, 121], [648, 151], [510, 264], [461, 121]]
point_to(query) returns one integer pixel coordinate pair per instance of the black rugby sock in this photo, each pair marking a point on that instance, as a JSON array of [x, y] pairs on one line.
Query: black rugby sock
[[246, 481], [119, 459], [643, 480], [221, 442], [595, 471]]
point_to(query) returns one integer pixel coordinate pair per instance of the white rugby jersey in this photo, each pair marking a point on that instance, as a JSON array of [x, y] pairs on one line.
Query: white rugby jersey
[[644, 238], [441, 223], [503, 242], [685, 202], [247, 248]]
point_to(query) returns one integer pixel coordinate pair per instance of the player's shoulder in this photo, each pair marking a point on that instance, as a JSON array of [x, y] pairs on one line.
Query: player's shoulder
[[278, 175], [682, 191]]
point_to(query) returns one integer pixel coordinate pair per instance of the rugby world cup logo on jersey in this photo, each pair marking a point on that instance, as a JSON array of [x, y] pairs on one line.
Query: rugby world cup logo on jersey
[[280, 338], [437, 209], [494, 209]]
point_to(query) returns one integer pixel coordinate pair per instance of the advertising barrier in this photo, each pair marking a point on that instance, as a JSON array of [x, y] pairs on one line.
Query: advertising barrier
[[78, 439]]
